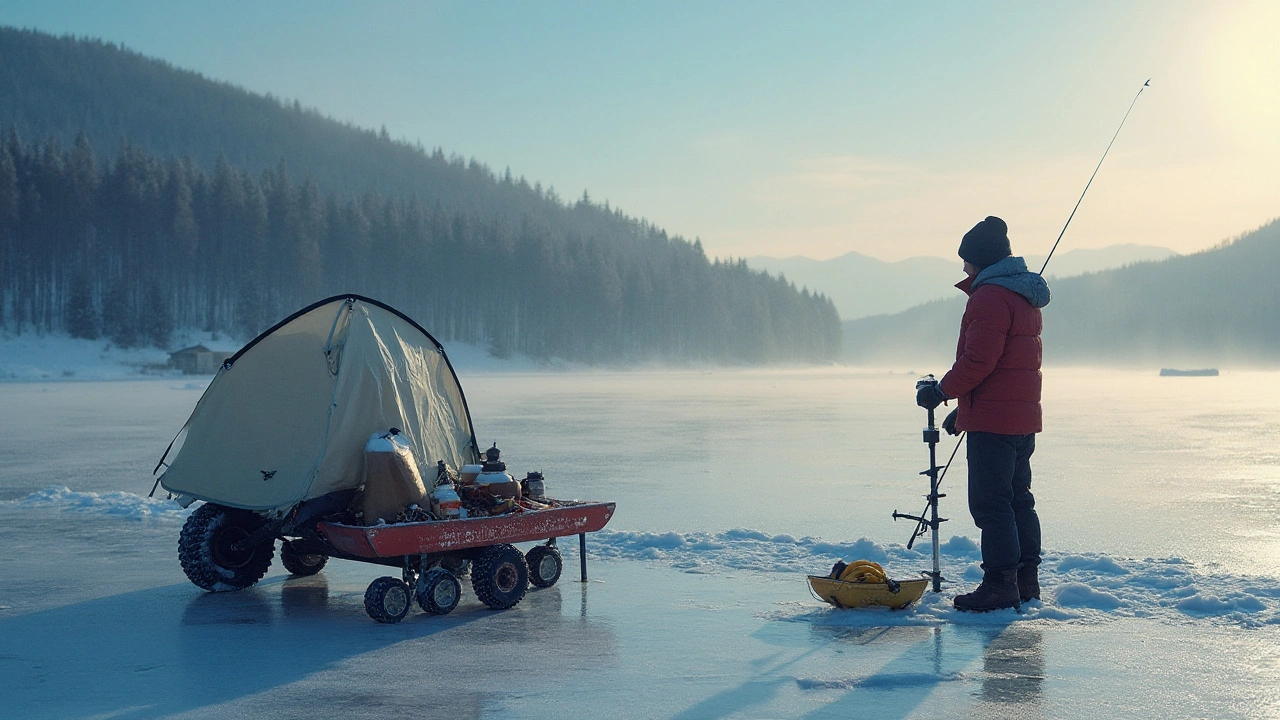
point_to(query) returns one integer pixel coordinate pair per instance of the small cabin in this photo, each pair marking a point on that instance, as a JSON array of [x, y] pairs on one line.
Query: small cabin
[[198, 360]]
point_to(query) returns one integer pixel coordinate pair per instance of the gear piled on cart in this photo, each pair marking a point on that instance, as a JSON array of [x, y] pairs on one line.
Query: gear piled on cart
[[279, 447], [393, 491]]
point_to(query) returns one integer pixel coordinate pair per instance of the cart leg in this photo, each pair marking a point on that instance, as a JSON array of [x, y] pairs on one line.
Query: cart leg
[[409, 573], [582, 554]]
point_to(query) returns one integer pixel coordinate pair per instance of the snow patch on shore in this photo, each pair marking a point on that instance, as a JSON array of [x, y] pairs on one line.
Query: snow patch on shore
[[60, 357], [57, 357]]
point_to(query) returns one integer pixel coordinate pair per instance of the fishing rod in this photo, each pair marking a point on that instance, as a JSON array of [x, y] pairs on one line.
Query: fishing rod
[[928, 520], [1145, 85]]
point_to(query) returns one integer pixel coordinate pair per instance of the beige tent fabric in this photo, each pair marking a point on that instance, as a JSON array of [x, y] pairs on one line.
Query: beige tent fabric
[[288, 421], [387, 376]]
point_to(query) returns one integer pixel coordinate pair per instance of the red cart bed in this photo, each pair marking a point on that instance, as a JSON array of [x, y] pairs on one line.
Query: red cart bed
[[385, 541]]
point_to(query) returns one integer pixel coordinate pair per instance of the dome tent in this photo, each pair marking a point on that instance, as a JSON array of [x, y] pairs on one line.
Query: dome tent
[[286, 418]]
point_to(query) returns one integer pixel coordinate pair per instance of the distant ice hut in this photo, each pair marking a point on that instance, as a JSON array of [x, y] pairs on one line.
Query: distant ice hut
[[198, 360]]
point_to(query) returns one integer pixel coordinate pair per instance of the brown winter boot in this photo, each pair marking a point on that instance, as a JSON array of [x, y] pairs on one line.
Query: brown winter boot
[[1028, 583], [999, 590]]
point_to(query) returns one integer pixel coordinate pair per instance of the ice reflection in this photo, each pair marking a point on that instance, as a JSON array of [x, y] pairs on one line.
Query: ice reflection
[[1013, 667], [915, 664], [866, 635], [248, 607], [301, 596]]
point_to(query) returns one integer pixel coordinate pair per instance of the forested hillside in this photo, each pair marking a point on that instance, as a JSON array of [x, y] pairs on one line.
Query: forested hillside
[[61, 87], [217, 209], [1215, 307]]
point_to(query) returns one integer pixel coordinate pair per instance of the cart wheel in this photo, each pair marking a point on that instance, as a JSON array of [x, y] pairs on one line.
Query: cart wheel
[[500, 576], [544, 565], [438, 591], [209, 550], [387, 600], [301, 564]]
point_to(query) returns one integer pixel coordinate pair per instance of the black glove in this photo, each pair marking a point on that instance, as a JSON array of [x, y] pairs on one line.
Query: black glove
[[949, 422], [929, 395]]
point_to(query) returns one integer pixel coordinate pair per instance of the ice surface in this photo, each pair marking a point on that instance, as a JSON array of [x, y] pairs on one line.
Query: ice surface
[[1159, 579]]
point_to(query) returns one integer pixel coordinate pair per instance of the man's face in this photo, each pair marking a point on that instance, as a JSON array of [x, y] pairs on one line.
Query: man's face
[[970, 269]]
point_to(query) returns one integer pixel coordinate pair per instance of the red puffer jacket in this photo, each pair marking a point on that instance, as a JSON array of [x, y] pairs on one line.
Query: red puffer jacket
[[996, 376]]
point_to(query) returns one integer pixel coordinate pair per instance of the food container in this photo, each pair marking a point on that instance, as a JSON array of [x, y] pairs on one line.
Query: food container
[[470, 473], [445, 503], [533, 485], [499, 484]]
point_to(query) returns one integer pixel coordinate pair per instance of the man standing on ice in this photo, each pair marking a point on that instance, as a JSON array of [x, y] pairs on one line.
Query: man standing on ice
[[996, 383]]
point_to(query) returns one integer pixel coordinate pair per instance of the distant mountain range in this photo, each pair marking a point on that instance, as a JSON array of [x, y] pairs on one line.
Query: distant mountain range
[[861, 285], [1207, 309]]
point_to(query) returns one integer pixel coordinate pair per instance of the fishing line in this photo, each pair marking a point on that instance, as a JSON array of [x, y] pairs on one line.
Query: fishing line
[[1145, 85]]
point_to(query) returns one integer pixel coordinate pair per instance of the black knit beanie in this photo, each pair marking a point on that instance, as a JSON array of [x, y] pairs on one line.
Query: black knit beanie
[[986, 244]]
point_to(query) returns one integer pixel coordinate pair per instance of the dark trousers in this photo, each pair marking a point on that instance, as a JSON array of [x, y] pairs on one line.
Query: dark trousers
[[1000, 499]]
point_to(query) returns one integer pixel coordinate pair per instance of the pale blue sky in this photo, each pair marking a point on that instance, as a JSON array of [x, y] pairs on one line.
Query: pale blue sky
[[787, 128]]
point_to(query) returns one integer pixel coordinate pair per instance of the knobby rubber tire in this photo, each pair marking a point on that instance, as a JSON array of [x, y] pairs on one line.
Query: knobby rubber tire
[[500, 576], [438, 591], [388, 599], [205, 549], [545, 566], [301, 564]]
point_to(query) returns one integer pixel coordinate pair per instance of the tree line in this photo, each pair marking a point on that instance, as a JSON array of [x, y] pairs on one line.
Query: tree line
[[133, 245]]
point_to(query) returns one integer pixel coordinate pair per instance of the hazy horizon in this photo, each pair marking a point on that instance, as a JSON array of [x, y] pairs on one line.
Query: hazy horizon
[[951, 256], [773, 130]]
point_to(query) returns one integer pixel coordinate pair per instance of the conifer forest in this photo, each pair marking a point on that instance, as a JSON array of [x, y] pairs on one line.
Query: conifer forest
[[131, 248], [136, 199]]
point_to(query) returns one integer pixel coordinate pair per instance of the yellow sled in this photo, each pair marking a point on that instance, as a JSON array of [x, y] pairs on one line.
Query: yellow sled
[[844, 594]]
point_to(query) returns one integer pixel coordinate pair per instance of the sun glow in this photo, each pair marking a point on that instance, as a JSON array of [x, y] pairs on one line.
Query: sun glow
[[1243, 72]]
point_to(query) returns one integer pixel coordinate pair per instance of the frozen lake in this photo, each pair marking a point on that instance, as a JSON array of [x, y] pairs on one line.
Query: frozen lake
[[1159, 499]]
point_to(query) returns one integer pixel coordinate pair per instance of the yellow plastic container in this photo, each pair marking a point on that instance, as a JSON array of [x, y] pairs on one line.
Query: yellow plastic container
[[867, 594]]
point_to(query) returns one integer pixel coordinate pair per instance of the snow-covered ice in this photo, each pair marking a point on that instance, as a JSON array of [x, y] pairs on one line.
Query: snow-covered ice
[[1158, 498]]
